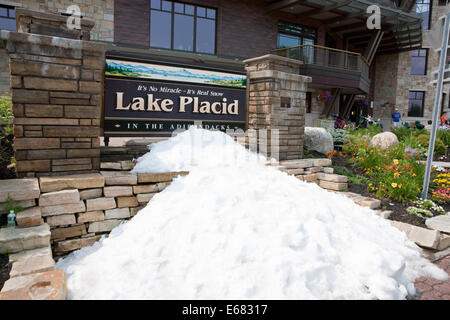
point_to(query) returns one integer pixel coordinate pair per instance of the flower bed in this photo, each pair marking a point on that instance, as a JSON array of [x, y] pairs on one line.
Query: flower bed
[[394, 175]]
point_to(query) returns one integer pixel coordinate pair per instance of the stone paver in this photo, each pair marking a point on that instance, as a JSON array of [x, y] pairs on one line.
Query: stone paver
[[441, 223], [432, 289]]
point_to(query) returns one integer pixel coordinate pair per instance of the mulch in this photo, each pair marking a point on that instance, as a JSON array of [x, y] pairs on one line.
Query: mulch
[[5, 268]]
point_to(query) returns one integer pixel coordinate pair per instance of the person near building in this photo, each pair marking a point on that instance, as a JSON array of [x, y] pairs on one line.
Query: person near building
[[429, 125], [444, 120], [396, 118]]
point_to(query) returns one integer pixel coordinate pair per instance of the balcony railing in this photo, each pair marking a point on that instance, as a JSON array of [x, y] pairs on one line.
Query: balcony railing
[[326, 57]]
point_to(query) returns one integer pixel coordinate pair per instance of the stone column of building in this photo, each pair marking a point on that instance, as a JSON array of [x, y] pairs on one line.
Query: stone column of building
[[277, 94], [57, 92]]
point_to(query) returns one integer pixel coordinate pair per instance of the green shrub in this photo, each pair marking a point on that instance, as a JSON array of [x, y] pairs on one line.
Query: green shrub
[[444, 136], [439, 146], [338, 135], [6, 115], [353, 143], [402, 132]]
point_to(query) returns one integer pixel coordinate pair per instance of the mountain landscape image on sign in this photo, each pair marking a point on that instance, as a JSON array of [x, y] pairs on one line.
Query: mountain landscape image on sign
[[119, 68]]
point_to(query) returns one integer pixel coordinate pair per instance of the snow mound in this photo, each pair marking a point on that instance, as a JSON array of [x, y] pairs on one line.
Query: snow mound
[[242, 230]]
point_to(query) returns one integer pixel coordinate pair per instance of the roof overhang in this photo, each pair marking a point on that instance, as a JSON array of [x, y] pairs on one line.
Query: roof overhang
[[347, 18]]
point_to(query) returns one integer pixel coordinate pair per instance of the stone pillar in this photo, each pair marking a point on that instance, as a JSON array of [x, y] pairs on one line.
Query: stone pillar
[[277, 94], [57, 95]]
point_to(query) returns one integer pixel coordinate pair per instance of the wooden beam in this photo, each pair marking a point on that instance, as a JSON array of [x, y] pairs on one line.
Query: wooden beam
[[323, 9], [372, 48], [281, 5]]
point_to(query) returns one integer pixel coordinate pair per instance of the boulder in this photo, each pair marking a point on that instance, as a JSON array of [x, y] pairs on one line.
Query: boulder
[[384, 140], [318, 139]]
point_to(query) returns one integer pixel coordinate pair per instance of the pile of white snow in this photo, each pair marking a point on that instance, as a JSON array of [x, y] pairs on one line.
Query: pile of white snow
[[236, 229]]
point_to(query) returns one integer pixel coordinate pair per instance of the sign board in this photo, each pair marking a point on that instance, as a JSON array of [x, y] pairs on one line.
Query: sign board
[[148, 99]]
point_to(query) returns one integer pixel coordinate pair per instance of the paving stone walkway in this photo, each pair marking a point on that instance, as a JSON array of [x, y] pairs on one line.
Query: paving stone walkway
[[432, 289]]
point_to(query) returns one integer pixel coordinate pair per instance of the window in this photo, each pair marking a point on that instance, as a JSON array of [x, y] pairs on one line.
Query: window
[[423, 8], [185, 27], [416, 102], [7, 18], [290, 35], [443, 2], [419, 62]]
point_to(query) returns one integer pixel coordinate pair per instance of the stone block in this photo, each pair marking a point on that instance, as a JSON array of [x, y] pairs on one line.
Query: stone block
[[49, 285], [295, 171], [297, 164], [71, 131], [162, 185], [22, 203], [59, 197], [19, 189], [19, 239], [29, 96], [368, 202], [421, 236], [159, 177], [127, 202], [34, 264], [46, 154], [30, 217], [119, 178], [77, 181], [117, 191], [74, 244], [337, 186], [323, 162], [119, 213], [100, 204], [36, 143], [61, 220], [69, 232], [441, 223], [43, 111], [127, 165], [331, 177], [110, 165], [313, 170], [23, 255], [149, 188], [33, 166], [91, 216], [444, 241], [145, 197], [103, 226], [39, 83], [77, 111], [307, 177], [91, 193], [63, 209], [135, 210]]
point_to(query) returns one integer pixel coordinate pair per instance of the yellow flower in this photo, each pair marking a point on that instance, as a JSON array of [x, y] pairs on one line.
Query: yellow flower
[[400, 185], [396, 174], [395, 161], [394, 185]]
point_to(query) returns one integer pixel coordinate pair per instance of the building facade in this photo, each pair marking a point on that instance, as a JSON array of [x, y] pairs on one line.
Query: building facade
[[348, 62], [405, 80]]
